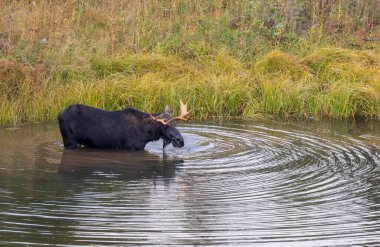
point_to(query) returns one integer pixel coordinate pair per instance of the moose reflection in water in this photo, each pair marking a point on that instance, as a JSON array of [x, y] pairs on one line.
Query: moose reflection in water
[[117, 164]]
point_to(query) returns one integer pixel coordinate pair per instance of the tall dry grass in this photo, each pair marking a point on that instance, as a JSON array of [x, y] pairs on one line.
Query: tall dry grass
[[58, 33]]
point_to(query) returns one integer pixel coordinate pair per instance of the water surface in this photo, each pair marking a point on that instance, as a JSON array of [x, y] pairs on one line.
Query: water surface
[[236, 183]]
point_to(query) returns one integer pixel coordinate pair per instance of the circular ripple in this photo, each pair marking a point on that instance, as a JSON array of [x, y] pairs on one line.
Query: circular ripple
[[275, 185], [237, 184]]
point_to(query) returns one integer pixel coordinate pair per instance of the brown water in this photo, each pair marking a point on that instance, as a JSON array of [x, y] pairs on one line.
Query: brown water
[[236, 183]]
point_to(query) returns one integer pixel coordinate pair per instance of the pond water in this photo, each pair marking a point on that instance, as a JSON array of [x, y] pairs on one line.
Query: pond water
[[236, 183]]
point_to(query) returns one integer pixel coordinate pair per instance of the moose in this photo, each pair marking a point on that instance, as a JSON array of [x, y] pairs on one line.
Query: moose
[[128, 129]]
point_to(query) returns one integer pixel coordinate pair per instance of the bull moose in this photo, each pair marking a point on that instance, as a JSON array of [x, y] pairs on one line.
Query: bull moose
[[128, 129]]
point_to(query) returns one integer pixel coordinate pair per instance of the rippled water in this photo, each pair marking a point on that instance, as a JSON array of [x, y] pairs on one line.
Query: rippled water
[[239, 183]]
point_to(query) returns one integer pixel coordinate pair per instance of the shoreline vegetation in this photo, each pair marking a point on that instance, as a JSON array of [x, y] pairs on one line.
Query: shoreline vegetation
[[245, 59]]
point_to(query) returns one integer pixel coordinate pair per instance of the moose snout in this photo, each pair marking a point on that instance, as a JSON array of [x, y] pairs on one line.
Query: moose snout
[[178, 141], [181, 142], [173, 136]]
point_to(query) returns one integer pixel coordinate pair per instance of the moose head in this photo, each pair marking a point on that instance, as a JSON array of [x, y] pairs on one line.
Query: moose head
[[169, 132]]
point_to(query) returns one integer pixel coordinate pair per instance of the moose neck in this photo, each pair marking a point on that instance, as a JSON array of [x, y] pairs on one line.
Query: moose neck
[[144, 129]]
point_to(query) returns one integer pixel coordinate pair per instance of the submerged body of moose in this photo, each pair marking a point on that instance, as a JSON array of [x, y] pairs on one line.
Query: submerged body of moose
[[127, 129]]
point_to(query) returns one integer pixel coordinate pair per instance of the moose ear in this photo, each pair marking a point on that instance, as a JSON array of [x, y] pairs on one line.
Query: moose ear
[[167, 109]]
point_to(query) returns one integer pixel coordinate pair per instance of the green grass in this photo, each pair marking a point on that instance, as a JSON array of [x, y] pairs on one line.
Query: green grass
[[332, 82]]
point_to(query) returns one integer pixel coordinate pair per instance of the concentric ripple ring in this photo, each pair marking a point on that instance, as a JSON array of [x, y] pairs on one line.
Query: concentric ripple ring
[[233, 184]]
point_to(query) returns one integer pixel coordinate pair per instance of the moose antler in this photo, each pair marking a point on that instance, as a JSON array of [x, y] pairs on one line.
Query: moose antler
[[184, 116], [160, 120]]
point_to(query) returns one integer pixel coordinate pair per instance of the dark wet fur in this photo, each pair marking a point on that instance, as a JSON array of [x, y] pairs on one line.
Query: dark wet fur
[[127, 129]]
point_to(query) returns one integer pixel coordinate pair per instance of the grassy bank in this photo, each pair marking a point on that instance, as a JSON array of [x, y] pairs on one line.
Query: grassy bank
[[226, 58], [330, 82]]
